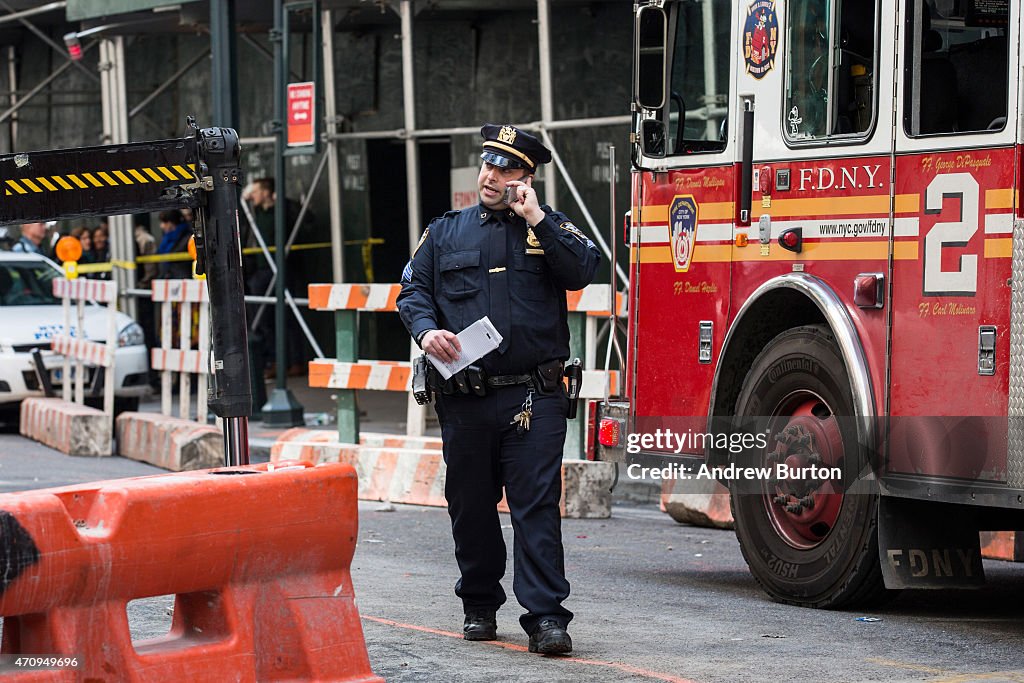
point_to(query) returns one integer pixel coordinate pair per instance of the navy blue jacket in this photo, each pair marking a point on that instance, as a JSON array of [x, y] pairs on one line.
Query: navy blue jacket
[[447, 283]]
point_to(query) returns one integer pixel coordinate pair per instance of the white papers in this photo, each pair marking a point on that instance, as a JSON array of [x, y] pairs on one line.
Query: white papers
[[477, 341]]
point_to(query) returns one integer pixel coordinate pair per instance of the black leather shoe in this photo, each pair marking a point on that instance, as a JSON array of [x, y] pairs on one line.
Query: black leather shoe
[[480, 626], [549, 638]]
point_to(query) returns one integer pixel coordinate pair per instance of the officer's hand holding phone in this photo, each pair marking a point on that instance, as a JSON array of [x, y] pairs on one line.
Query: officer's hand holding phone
[[525, 202]]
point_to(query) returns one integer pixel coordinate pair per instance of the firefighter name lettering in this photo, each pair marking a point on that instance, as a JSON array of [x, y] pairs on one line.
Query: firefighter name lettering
[[691, 182], [853, 178], [702, 287], [949, 309], [960, 161], [936, 562]]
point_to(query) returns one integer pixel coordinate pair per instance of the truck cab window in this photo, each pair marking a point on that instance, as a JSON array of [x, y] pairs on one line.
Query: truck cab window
[[956, 68], [831, 55], [698, 105]]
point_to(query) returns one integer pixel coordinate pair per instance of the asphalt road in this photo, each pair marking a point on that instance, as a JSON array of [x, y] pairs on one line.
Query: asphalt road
[[654, 601]]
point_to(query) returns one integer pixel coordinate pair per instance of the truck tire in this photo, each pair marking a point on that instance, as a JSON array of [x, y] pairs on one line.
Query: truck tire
[[809, 542]]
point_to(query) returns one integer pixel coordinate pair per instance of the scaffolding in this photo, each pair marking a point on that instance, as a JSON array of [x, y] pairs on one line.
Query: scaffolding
[[117, 115]]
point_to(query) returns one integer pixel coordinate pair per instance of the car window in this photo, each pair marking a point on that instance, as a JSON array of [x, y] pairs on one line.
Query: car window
[[28, 283]]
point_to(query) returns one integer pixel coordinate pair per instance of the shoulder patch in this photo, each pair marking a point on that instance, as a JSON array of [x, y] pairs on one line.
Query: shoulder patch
[[569, 227], [423, 238], [576, 232]]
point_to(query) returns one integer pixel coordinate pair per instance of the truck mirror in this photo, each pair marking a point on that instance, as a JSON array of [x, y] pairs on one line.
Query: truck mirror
[[652, 138], [649, 60]]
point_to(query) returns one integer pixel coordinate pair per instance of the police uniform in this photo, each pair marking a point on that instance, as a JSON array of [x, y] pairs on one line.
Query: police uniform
[[481, 262]]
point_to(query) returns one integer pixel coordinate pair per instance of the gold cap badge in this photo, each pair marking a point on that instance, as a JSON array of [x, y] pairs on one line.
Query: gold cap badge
[[507, 135]]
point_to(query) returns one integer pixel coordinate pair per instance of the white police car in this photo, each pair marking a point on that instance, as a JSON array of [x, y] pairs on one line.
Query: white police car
[[30, 315]]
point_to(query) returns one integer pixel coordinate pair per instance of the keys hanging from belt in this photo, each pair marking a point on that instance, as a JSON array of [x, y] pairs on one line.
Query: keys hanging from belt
[[522, 418]]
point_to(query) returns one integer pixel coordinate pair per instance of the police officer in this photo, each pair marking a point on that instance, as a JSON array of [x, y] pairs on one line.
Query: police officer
[[510, 259]]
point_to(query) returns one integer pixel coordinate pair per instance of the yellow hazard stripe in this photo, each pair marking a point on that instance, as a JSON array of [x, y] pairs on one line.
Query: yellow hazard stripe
[[98, 179]]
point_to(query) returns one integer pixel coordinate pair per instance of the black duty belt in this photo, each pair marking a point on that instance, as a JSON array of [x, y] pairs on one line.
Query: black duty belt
[[508, 380]]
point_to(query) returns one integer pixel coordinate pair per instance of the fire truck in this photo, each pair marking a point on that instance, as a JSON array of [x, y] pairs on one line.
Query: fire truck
[[827, 253]]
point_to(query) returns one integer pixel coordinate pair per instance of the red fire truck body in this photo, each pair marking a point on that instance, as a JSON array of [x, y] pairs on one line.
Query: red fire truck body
[[825, 200]]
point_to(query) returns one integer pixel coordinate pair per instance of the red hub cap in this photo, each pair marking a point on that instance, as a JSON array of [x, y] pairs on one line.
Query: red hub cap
[[804, 495]]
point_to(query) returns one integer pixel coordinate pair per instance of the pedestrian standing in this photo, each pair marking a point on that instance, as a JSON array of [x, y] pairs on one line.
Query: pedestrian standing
[[145, 273], [32, 240], [175, 241], [511, 259]]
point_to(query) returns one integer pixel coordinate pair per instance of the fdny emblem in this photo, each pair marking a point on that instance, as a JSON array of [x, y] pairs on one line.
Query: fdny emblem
[[531, 239], [507, 135], [760, 38], [682, 217]]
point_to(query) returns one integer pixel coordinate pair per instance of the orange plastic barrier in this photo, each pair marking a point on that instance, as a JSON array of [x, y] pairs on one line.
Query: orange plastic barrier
[[258, 559]]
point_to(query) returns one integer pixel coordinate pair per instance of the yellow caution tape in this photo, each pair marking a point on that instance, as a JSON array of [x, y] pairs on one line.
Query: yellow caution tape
[[163, 258], [95, 267], [107, 267]]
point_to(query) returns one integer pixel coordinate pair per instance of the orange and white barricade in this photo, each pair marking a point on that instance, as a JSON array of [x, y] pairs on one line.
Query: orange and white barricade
[[182, 359], [75, 347]]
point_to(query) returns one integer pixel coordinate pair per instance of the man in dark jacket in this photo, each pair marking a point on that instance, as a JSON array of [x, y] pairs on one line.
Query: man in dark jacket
[[175, 240]]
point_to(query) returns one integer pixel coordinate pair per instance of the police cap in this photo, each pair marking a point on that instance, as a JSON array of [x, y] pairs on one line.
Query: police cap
[[509, 147]]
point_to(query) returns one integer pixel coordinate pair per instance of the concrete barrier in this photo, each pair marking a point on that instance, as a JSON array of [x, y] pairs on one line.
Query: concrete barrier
[[411, 470], [169, 442], [69, 427], [700, 502]]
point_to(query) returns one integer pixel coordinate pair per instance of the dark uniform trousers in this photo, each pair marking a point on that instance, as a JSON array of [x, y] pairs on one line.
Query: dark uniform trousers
[[483, 452]]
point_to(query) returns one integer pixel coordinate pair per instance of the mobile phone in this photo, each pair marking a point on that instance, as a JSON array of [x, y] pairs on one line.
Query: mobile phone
[[511, 196]]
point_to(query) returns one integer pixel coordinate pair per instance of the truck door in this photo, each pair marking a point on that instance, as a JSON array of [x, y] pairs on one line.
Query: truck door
[[683, 227], [954, 214]]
